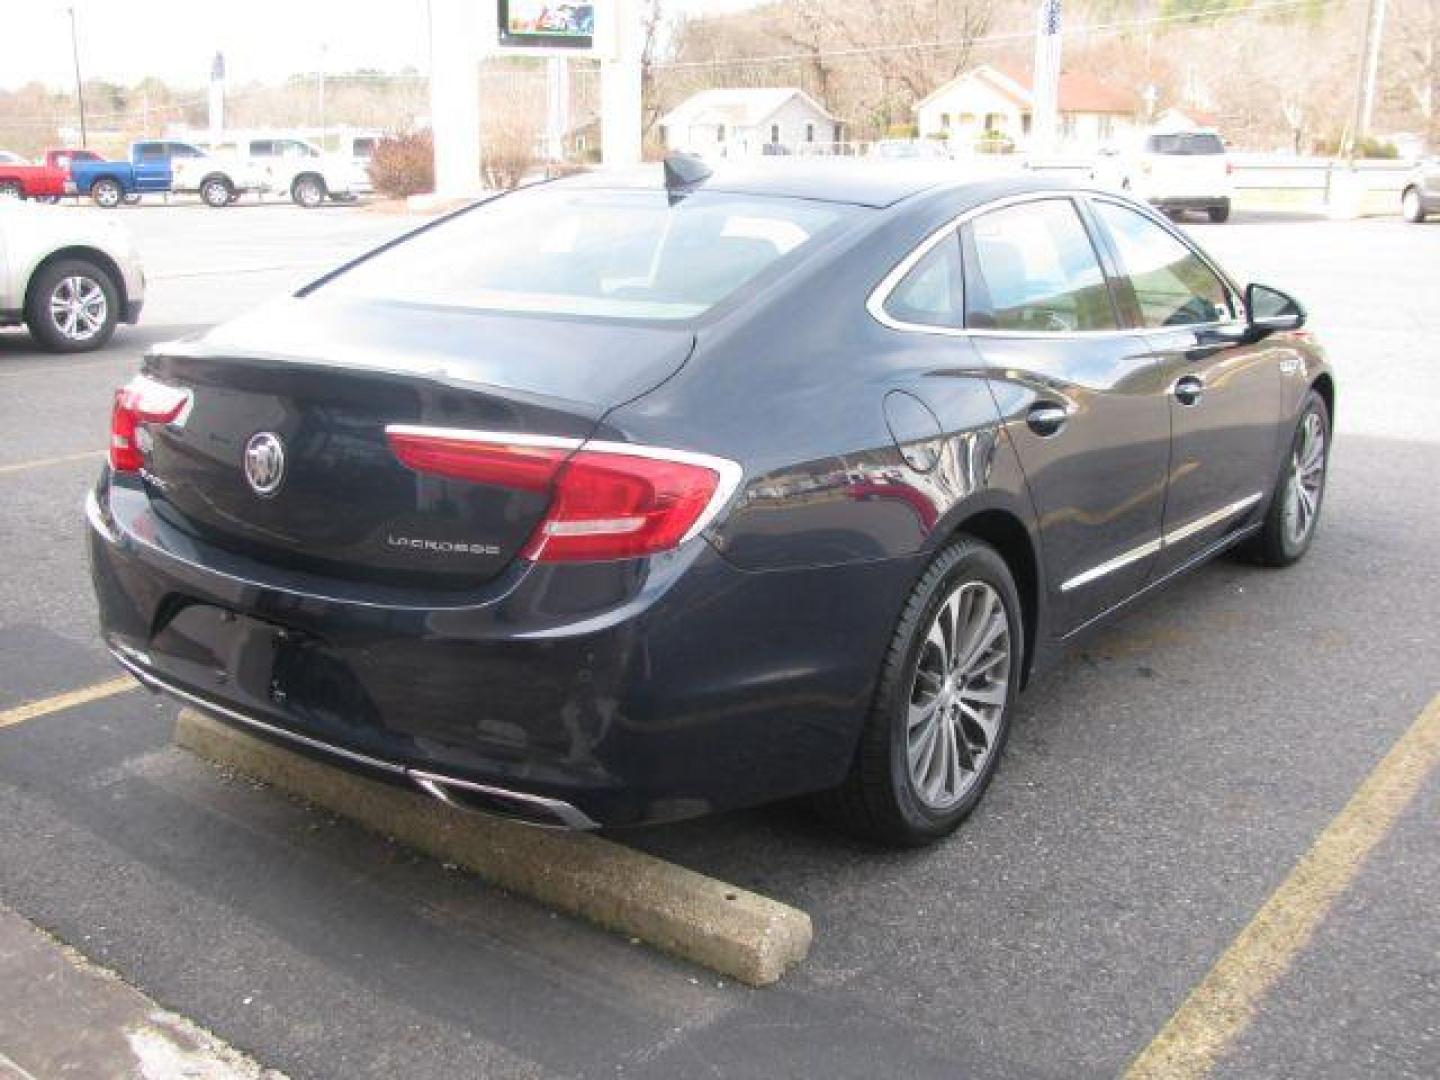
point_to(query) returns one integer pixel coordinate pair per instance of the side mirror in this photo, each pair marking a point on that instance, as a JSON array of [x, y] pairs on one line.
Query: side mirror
[[1269, 310]]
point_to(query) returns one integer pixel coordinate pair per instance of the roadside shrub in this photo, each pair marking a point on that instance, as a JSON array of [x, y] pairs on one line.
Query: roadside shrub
[[404, 164], [508, 146]]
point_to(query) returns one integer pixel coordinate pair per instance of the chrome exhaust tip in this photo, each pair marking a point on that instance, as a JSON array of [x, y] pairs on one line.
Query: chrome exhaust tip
[[517, 806]]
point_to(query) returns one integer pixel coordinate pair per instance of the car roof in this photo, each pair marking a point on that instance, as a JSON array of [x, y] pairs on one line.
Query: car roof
[[862, 183]]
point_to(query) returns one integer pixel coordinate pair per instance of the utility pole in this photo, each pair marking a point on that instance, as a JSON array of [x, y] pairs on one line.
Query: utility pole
[[1045, 84], [321, 92], [1369, 71], [79, 83]]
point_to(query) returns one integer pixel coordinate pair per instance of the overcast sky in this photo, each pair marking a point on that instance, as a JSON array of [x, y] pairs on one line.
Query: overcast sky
[[126, 40]]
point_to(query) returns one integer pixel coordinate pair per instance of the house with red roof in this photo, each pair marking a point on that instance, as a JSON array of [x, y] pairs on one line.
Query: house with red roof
[[991, 107]]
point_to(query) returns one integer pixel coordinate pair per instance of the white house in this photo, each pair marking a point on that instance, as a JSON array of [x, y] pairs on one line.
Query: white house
[[992, 105], [749, 120]]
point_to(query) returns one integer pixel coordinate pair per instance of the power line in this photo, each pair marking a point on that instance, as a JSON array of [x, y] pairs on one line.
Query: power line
[[1095, 30]]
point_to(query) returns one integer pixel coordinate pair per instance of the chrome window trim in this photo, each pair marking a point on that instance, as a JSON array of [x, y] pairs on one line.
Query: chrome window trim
[[875, 303], [1169, 539], [729, 472]]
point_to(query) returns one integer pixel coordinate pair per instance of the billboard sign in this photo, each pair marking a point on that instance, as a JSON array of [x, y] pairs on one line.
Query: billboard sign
[[546, 25]]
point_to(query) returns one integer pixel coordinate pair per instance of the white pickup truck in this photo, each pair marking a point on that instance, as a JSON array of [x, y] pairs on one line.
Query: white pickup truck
[[280, 165]]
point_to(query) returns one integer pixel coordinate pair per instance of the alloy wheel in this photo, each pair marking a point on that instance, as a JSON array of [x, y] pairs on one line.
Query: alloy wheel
[[958, 695], [1306, 481], [78, 307]]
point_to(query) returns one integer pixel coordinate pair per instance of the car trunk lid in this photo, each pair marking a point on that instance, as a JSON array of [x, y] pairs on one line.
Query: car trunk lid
[[322, 380]]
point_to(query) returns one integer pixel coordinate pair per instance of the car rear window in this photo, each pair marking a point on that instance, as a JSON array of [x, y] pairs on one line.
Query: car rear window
[[1185, 142], [603, 254]]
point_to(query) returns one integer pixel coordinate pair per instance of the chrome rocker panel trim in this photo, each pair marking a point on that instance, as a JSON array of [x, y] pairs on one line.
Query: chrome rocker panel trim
[[1150, 547]]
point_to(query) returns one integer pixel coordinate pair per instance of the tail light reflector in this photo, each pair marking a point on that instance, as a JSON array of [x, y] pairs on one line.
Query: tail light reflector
[[608, 500], [139, 402]]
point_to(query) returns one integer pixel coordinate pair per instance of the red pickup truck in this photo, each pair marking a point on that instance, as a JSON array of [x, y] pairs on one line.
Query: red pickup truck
[[44, 181]]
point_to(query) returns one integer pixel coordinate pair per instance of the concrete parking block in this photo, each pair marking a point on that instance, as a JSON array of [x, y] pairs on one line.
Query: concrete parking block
[[737, 933]]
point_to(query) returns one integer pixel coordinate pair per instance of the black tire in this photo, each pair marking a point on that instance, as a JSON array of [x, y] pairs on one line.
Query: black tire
[[308, 191], [1412, 205], [12, 189], [47, 327], [1219, 213], [216, 191], [1276, 544], [878, 799], [106, 192]]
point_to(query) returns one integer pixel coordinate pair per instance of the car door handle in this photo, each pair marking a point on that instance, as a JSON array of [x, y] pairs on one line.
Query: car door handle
[[1046, 418], [1189, 389]]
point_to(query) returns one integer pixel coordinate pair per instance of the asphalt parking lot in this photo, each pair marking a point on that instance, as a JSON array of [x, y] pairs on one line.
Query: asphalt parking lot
[[1158, 787]]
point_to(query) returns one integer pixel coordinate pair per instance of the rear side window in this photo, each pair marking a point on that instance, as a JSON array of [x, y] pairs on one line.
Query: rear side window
[[932, 293], [1032, 268], [1185, 142], [151, 151], [587, 252], [1172, 286]]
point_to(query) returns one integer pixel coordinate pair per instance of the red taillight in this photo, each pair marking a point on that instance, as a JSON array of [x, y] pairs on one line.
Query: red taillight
[[482, 461], [140, 401], [616, 505], [609, 500]]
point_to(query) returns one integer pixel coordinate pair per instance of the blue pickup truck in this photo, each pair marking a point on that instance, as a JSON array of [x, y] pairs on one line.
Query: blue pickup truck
[[148, 171]]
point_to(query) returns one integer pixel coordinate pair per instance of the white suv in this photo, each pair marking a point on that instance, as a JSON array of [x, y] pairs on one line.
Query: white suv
[[67, 275], [1176, 171], [279, 165]]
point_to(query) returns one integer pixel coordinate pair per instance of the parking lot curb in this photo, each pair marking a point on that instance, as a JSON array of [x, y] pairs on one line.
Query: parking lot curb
[[62, 1015], [740, 934]]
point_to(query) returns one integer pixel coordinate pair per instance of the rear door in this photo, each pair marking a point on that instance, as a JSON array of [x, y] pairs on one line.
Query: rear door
[[1083, 399], [1223, 395]]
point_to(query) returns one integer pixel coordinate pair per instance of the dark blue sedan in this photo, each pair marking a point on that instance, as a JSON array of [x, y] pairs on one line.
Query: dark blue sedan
[[627, 498]]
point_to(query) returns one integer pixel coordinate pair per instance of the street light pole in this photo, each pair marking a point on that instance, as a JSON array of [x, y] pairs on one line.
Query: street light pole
[[79, 84]]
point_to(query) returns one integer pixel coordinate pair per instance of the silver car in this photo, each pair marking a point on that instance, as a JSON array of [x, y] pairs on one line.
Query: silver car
[[1421, 194], [68, 275]]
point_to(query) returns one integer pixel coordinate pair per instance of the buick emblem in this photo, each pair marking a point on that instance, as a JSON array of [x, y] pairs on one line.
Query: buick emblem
[[264, 462]]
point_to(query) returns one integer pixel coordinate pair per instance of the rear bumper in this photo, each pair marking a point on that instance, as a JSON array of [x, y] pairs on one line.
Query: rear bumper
[[621, 693]]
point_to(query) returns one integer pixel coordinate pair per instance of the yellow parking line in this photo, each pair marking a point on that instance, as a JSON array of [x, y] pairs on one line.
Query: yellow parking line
[[1224, 1003], [21, 713], [22, 466]]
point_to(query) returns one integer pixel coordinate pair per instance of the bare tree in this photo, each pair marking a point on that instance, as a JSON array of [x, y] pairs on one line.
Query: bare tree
[[1412, 67]]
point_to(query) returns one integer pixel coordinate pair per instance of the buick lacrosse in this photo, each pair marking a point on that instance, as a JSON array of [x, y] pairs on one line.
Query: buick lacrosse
[[632, 497]]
